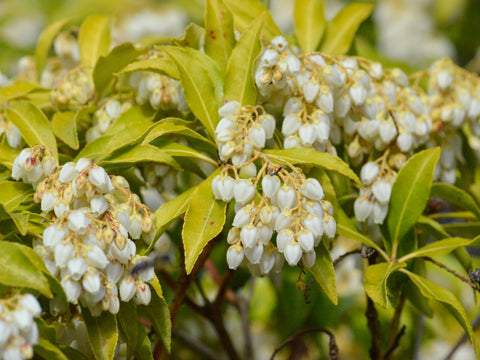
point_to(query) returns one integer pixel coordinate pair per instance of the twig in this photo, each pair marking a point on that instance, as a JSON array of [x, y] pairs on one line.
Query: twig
[[206, 352], [463, 338], [333, 348], [373, 322], [341, 257], [394, 339], [454, 273], [396, 342]]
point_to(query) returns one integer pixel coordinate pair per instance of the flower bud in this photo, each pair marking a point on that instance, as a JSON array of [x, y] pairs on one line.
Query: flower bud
[[286, 197], [249, 235], [143, 295], [382, 191], [362, 208], [311, 189], [254, 253], [244, 191], [127, 289], [235, 255], [369, 173], [292, 253], [77, 268]]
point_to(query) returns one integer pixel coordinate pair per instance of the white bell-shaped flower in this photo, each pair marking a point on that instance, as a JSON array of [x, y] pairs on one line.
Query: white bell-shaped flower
[[292, 253], [243, 216], [72, 289], [284, 237], [266, 262], [97, 258], [358, 94], [286, 197], [382, 191], [369, 173], [305, 240], [77, 268], [379, 212], [314, 224], [405, 141], [78, 222], [254, 253], [329, 226], [270, 185], [311, 189], [235, 255], [67, 173], [31, 304], [127, 288], [91, 281], [249, 235], [265, 233], [308, 259], [291, 124], [63, 252], [284, 220], [267, 122], [53, 235], [244, 191], [310, 90], [257, 136], [229, 109], [143, 294], [387, 131], [362, 208], [307, 135]]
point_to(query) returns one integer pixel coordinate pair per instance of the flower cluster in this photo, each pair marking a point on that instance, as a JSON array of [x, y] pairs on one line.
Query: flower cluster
[[18, 330], [74, 90], [88, 245], [33, 165], [108, 111]]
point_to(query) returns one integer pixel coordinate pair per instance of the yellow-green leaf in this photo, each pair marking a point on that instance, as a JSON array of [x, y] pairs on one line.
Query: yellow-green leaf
[[239, 78], [140, 154], [126, 317], [65, 128], [456, 196], [375, 280], [44, 43], [102, 333], [307, 156], [324, 273], [176, 149], [95, 149], [192, 37], [18, 89], [342, 28], [442, 247], [219, 34], [47, 350], [33, 125], [7, 155], [94, 39], [309, 23], [204, 220], [161, 65], [164, 128]]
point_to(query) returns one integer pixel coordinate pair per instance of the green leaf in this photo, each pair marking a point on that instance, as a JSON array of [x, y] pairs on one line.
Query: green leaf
[[94, 39], [219, 32], [204, 220], [176, 149], [95, 149], [442, 247], [46, 331], [126, 317], [44, 43], [73, 354], [134, 114], [416, 298], [143, 351], [116, 60], [447, 299], [433, 227], [141, 154], [192, 37], [198, 83], [410, 193], [65, 128], [246, 11], [324, 273], [13, 194], [33, 125], [7, 155], [342, 28], [19, 271], [164, 128], [456, 196], [18, 89], [102, 333], [239, 78], [375, 280], [307, 156], [160, 65], [48, 351], [309, 23]]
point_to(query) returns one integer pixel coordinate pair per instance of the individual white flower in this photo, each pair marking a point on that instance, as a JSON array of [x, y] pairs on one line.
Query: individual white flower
[[98, 205], [243, 216], [311, 189], [63, 252], [49, 199], [314, 224], [268, 124], [53, 235], [362, 208], [78, 222], [254, 253], [310, 90], [284, 220], [369, 173], [222, 187], [324, 99], [257, 136], [229, 109], [270, 185], [248, 171], [266, 262], [135, 228], [101, 180], [291, 142], [244, 191], [405, 141], [72, 289], [77, 268], [68, 173], [279, 43], [342, 105], [358, 94], [284, 237], [96, 257], [127, 288], [291, 124], [265, 233], [322, 130], [330, 226], [376, 70], [307, 135], [292, 253], [387, 131], [382, 191], [249, 235], [305, 240], [114, 271], [82, 164], [235, 255], [308, 258], [91, 282], [269, 57], [379, 212], [22, 318], [286, 197], [143, 294], [30, 303]]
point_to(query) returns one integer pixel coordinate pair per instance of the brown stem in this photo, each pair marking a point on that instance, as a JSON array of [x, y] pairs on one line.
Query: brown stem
[[396, 342], [454, 273], [333, 348], [341, 257], [199, 348], [373, 324], [393, 341]]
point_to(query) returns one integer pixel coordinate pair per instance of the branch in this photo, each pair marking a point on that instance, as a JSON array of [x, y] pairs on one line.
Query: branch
[[394, 339], [396, 342], [454, 273], [373, 323], [201, 349], [333, 348]]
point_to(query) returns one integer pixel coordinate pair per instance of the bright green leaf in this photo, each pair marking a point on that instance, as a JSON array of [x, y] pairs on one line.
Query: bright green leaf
[[95, 149], [33, 125], [13, 194], [102, 333], [375, 280], [456, 196], [19, 271], [116, 60], [342, 28], [139, 154], [132, 115], [7, 155], [307, 156], [65, 128], [48, 351], [94, 39], [219, 32], [126, 317], [176, 149], [160, 65], [143, 350], [410, 193], [324, 273], [239, 77], [204, 220], [17, 89], [163, 128], [309, 23], [442, 247], [432, 227], [192, 37], [44, 43]]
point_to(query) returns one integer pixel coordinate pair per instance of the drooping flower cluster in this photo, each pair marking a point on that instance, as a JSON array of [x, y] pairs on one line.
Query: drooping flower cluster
[[74, 90], [18, 330], [88, 245], [104, 116]]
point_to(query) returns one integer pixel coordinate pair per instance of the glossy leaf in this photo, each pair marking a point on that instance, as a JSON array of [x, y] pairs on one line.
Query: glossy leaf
[[143, 350], [309, 23], [126, 317], [199, 87], [442, 247], [219, 32], [433, 227], [193, 37], [246, 11], [239, 78], [48, 351], [306, 156], [94, 39], [13, 194], [33, 125], [65, 128], [116, 60], [204, 220], [176, 149], [17, 89], [7, 155], [456, 196], [102, 333], [142, 153], [160, 65], [132, 115], [447, 299], [342, 28], [410, 193], [164, 128], [19, 271], [44, 43], [413, 294], [324, 273], [375, 280], [95, 149]]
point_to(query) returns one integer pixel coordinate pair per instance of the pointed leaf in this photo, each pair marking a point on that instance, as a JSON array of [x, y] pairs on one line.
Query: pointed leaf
[[127, 316], [442, 247], [239, 78], [16, 90], [7, 155], [198, 84], [307, 156], [410, 193], [48, 351], [309, 23], [65, 128], [324, 273], [164, 128], [219, 34], [13, 194], [175, 149], [33, 125], [433, 227], [375, 280], [140, 154], [143, 350], [134, 114], [116, 60], [102, 333], [160, 65], [447, 299], [204, 220], [19, 271], [342, 28], [44, 43], [95, 149], [193, 37], [94, 39], [456, 196]]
